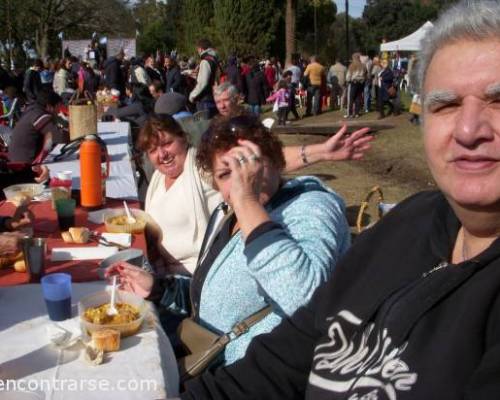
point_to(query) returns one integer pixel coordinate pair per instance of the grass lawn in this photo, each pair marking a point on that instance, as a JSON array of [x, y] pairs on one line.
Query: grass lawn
[[396, 161]]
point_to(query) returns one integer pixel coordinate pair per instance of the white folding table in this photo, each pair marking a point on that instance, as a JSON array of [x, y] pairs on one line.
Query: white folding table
[[143, 369], [122, 181]]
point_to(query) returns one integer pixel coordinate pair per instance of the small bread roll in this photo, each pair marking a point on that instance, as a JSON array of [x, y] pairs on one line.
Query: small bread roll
[[20, 266], [8, 261], [106, 340], [80, 234], [66, 236], [20, 200]]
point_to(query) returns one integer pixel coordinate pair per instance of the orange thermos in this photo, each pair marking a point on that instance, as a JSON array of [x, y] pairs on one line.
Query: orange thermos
[[90, 173]]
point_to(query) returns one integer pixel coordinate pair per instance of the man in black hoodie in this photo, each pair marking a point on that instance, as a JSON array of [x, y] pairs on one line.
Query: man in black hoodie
[[113, 75], [412, 312]]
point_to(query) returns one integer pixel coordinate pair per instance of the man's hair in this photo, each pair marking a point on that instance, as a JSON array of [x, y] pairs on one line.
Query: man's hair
[[226, 86], [37, 63], [158, 86], [204, 44], [46, 97], [469, 20]]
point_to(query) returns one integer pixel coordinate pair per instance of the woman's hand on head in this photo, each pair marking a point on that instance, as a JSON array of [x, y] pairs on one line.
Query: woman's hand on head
[[247, 170], [132, 279], [341, 147]]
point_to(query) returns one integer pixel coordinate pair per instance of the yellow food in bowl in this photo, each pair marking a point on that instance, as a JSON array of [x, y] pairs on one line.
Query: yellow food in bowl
[[120, 220], [120, 224], [99, 315]]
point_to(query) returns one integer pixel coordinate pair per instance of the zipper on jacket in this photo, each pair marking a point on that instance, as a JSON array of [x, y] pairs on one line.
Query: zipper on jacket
[[394, 299], [441, 265]]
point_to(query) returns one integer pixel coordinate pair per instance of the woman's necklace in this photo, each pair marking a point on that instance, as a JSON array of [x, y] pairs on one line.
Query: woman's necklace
[[465, 249]]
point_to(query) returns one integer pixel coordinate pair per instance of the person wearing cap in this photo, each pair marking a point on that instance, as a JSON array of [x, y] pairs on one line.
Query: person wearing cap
[[412, 311], [173, 104]]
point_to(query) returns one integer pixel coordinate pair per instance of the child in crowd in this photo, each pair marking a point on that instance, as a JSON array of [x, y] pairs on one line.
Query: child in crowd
[[292, 108], [280, 98]]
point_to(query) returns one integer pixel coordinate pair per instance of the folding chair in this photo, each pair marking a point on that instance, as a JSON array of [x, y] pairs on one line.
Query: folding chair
[[12, 114]]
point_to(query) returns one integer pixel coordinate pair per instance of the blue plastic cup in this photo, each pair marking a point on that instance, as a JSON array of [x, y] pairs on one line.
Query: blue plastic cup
[[56, 290]]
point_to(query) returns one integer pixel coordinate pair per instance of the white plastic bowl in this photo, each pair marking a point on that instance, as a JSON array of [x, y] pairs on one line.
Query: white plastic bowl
[[27, 189]]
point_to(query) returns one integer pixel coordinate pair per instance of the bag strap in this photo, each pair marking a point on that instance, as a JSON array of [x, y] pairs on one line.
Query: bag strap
[[80, 97], [243, 326]]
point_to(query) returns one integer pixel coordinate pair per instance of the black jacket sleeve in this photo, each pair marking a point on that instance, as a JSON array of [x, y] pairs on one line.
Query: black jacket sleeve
[[176, 81], [276, 365], [484, 382], [131, 111]]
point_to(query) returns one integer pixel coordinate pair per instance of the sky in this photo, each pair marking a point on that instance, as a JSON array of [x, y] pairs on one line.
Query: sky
[[355, 7]]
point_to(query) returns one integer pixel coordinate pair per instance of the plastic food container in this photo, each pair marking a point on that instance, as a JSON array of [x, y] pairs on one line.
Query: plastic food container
[[99, 298], [115, 221], [24, 189]]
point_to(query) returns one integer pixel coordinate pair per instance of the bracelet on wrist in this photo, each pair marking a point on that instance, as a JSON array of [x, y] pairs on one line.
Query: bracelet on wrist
[[303, 155]]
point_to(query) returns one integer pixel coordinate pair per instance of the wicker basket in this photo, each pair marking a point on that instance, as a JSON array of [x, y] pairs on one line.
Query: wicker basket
[[378, 197], [82, 116]]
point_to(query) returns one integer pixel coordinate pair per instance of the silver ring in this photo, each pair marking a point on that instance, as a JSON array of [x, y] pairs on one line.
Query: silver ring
[[242, 160], [254, 157]]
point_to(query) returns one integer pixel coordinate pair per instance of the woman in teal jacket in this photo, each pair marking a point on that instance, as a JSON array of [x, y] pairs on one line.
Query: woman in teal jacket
[[275, 242]]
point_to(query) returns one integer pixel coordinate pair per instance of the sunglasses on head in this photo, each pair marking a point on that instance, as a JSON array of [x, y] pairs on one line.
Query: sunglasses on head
[[235, 126]]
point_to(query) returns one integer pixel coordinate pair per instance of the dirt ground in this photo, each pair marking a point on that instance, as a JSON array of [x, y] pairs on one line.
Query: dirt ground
[[396, 162]]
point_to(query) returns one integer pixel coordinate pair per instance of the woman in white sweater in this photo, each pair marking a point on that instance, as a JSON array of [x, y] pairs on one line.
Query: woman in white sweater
[[180, 199]]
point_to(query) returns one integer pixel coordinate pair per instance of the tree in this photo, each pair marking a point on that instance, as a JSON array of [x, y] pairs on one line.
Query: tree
[[36, 24], [157, 25], [244, 27], [196, 17], [290, 15], [326, 15], [393, 19]]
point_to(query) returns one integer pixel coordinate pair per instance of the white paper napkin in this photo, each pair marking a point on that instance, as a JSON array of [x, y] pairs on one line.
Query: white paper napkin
[[125, 239], [82, 253]]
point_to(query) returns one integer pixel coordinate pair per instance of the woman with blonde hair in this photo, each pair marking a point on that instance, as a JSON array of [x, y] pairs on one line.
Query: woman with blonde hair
[[356, 76]]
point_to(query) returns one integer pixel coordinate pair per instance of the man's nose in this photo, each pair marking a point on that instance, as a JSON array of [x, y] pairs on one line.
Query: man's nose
[[473, 125]]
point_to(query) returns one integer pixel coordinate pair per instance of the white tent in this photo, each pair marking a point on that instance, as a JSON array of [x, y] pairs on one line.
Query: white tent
[[410, 42]]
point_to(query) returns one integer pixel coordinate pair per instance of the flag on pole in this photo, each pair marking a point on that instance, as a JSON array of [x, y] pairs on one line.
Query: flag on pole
[[60, 35]]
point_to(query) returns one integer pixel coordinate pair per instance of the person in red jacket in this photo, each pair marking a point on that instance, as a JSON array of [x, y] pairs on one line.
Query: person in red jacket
[[270, 74]]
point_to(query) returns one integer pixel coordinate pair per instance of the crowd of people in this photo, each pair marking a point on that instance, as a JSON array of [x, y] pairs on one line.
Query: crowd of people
[[409, 311]]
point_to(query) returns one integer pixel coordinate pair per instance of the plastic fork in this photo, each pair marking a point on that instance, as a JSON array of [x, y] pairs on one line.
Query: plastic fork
[[112, 308], [130, 218]]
